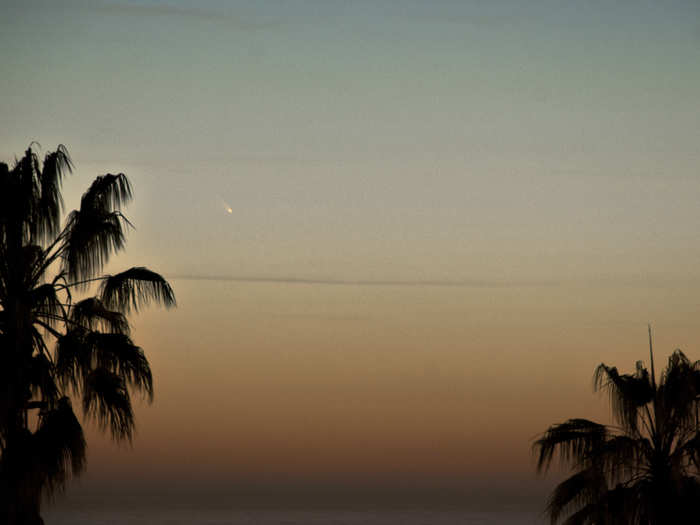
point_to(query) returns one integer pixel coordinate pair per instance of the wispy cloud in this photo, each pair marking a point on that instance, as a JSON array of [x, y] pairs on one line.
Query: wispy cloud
[[471, 283]]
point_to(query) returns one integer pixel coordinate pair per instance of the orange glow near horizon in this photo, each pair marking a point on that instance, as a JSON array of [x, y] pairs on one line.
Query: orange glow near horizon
[[341, 382]]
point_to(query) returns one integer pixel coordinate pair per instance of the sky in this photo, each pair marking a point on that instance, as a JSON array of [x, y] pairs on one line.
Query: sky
[[401, 234]]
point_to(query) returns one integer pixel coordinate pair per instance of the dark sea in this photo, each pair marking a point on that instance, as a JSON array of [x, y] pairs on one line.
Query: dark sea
[[284, 517]]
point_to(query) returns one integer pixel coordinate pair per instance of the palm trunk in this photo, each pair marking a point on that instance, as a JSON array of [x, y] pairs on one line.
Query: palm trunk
[[20, 481], [19, 473]]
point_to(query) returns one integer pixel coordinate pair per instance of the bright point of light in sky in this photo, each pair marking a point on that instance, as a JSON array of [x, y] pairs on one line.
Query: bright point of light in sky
[[226, 206]]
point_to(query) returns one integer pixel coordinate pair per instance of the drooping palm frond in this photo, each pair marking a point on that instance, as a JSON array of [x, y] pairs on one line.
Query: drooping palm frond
[[73, 359], [5, 199], [46, 304], [47, 220], [580, 491], [5, 194], [28, 191], [679, 390], [573, 440], [92, 314], [96, 230], [628, 392], [91, 238], [134, 288], [588, 500], [31, 256], [107, 401], [42, 379], [80, 352], [586, 515], [118, 354], [61, 445], [106, 194]]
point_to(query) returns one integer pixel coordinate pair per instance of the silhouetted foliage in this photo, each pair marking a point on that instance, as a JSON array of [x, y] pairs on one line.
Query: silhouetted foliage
[[54, 347], [642, 471]]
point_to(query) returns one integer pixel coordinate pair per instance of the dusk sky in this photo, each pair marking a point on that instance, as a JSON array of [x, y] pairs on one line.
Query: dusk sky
[[401, 234]]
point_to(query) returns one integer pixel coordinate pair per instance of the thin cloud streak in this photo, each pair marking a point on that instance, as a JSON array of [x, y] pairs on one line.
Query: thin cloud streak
[[365, 282]]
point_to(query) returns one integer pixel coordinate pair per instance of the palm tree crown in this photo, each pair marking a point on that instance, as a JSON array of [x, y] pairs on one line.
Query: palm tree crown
[[53, 345], [644, 469]]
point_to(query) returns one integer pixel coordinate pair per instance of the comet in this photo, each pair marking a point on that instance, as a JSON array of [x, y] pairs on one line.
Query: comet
[[225, 205]]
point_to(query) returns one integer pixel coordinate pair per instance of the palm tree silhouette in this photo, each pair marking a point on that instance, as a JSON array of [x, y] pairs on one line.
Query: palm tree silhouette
[[644, 470], [53, 345]]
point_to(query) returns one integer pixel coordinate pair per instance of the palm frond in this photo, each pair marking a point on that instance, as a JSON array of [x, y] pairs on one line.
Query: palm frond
[[607, 507], [27, 171], [61, 445], [91, 238], [96, 231], [41, 378], [6, 185], [587, 515], [32, 256], [573, 440], [106, 194], [134, 288], [47, 217], [91, 313], [628, 392], [45, 303], [620, 456], [679, 391], [79, 352], [22, 192], [576, 493], [117, 353], [73, 358], [106, 400]]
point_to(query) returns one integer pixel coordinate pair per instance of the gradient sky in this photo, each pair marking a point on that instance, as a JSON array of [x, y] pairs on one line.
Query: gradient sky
[[443, 216]]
